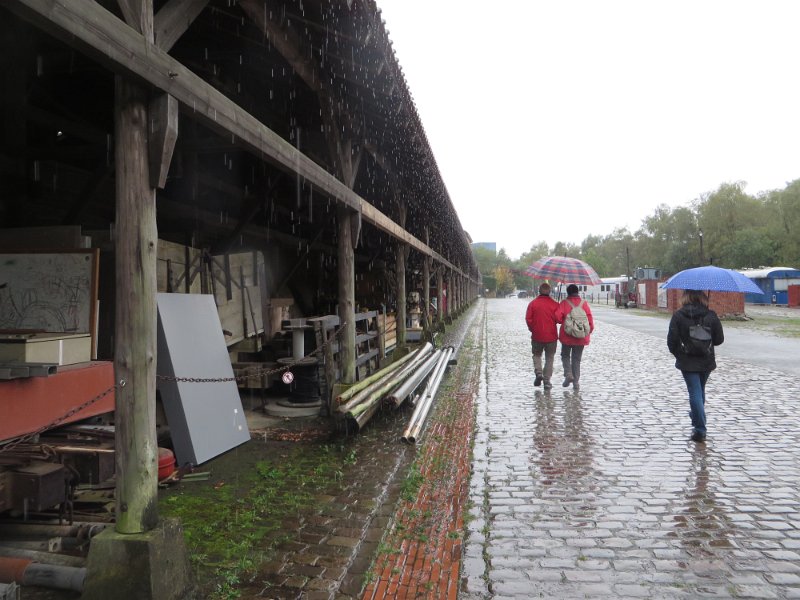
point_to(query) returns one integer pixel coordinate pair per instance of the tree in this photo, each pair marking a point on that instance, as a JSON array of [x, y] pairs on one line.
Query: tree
[[537, 251], [485, 258], [783, 208], [751, 248], [566, 249], [725, 214], [505, 281]]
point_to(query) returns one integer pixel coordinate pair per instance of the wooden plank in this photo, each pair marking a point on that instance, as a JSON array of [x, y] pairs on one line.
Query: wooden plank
[[365, 337], [87, 26], [363, 358]]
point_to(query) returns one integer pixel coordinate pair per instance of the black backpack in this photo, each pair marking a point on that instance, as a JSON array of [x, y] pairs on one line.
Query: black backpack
[[699, 342]]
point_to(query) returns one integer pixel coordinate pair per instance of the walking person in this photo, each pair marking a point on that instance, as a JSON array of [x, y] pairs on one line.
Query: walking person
[[541, 319], [694, 352], [577, 324]]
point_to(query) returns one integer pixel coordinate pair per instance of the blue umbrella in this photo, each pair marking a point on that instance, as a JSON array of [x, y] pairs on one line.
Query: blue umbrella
[[713, 279]]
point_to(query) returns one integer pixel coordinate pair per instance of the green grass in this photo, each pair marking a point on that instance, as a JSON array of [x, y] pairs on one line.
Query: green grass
[[233, 524]]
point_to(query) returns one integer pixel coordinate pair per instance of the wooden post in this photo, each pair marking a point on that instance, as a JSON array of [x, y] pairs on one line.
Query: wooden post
[[400, 272], [426, 292], [448, 311], [454, 281], [347, 299], [135, 337], [439, 302]]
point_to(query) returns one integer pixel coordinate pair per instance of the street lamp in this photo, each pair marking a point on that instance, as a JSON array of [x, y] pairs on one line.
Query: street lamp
[[702, 257]]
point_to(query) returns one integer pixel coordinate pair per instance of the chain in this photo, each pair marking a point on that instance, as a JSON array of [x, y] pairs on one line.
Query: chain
[[73, 411], [252, 373]]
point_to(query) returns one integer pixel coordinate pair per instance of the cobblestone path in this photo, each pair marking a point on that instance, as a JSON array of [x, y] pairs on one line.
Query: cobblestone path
[[601, 494]]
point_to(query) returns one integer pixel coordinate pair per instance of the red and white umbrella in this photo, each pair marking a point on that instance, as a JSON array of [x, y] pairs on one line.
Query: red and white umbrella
[[563, 269]]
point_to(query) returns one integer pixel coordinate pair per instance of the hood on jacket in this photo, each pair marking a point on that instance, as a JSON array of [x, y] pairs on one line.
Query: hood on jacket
[[694, 311]]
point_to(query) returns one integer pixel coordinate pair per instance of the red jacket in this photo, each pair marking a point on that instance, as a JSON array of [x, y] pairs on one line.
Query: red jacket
[[563, 308], [541, 319]]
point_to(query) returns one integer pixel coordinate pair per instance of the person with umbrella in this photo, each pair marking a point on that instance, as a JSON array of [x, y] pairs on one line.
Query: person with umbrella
[[541, 319], [694, 357], [573, 340], [576, 271]]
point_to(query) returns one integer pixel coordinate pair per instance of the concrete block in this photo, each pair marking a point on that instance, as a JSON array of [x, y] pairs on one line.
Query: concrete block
[[146, 566]]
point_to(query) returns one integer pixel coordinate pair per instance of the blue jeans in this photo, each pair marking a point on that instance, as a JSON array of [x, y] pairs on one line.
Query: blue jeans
[[696, 384]]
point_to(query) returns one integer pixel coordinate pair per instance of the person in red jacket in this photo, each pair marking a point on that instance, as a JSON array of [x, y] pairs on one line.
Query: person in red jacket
[[572, 347], [541, 320]]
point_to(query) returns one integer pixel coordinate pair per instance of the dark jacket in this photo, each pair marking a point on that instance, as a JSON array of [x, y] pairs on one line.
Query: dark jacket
[[541, 319], [679, 330]]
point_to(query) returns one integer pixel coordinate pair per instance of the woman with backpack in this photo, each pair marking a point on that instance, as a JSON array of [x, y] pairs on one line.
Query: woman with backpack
[[577, 323], [693, 332]]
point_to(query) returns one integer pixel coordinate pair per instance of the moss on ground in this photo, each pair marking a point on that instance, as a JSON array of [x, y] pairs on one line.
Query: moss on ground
[[234, 521]]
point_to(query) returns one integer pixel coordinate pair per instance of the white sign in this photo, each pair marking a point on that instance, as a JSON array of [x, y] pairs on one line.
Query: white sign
[[287, 377]]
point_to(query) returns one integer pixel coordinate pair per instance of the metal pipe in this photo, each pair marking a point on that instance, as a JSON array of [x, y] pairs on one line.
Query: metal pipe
[[47, 558], [55, 576], [364, 411], [426, 398], [26, 572], [347, 397], [368, 391], [404, 391], [415, 432], [386, 385], [421, 399]]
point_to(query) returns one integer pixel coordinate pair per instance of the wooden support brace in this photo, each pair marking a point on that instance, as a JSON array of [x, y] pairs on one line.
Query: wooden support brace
[[174, 19], [163, 134]]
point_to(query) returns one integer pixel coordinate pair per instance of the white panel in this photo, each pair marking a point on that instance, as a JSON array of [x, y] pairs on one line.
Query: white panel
[[205, 419]]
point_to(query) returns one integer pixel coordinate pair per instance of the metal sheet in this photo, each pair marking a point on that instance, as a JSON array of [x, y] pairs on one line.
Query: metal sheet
[[205, 418]]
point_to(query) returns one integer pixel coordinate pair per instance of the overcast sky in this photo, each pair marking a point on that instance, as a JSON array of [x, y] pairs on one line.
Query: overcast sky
[[559, 119]]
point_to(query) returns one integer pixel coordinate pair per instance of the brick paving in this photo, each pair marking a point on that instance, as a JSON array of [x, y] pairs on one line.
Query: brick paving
[[600, 494], [420, 555]]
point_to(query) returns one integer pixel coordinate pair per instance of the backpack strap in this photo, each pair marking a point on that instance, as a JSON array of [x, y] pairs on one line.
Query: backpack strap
[[574, 306]]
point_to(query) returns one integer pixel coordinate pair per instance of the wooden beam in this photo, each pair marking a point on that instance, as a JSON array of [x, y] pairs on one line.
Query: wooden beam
[[174, 18], [163, 134], [87, 26]]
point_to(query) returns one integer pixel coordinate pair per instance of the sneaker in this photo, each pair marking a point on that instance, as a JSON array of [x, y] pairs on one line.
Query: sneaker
[[698, 437], [567, 381], [548, 385], [538, 381]]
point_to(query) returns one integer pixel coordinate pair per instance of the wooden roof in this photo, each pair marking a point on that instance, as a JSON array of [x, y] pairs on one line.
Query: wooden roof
[[272, 96]]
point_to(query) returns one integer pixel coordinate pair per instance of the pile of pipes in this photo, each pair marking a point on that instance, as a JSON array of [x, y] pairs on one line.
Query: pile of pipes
[[30, 555], [393, 385]]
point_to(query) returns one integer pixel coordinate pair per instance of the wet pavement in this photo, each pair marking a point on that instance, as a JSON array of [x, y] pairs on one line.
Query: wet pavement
[[600, 494], [762, 348]]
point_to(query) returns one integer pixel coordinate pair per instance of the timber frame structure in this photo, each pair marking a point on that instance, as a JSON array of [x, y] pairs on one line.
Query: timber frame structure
[[279, 126]]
